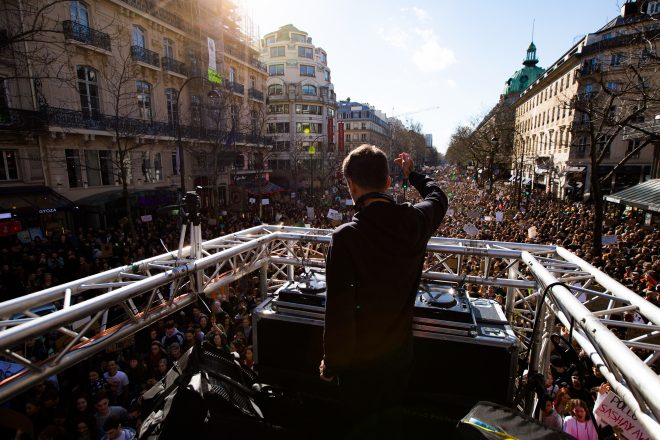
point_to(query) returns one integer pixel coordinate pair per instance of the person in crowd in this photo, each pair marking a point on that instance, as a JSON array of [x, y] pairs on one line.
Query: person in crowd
[[104, 411], [113, 430], [549, 416], [172, 334], [562, 401], [117, 379], [377, 258], [156, 353], [579, 423]]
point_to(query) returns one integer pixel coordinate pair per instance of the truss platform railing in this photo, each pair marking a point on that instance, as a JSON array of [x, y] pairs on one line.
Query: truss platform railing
[[579, 297]]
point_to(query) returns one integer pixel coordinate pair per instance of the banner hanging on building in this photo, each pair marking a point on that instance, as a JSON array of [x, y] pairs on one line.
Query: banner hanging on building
[[213, 75], [340, 136]]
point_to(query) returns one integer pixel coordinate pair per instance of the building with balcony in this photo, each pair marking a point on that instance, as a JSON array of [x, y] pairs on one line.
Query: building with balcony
[[120, 93], [542, 136], [364, 124], [301, 108]]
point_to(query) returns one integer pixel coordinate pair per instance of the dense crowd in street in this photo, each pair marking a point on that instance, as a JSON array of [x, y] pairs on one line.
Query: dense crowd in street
[[101, 397]]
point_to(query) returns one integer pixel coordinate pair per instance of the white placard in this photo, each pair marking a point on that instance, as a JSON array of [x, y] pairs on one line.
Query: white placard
[[146, 218], [647, 219], [349, 202], [252, 200], [532, 232], [334, 215], [609, 240], [293, 195], [612, 410], [310, 213], [488, 218], [499, 216], [223, 212], [278, 216], [471, 229], [265, 201], [308, 225], [450, 212]]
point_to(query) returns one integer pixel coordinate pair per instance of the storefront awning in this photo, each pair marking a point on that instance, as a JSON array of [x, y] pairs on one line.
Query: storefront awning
[[526, 181], [644, 196], [574, 169], [39, 199]]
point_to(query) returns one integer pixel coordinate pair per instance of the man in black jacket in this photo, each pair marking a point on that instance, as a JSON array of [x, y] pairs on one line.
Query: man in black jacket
[[373, 270]]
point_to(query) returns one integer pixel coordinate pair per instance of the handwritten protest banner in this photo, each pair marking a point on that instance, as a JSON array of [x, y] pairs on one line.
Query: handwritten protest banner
[[612, 410]]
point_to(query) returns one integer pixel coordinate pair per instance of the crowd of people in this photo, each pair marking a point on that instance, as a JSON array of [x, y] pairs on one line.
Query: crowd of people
[[101, 397]]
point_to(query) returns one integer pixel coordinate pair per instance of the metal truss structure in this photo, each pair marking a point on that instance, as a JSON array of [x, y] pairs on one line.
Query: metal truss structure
[[545, 286]]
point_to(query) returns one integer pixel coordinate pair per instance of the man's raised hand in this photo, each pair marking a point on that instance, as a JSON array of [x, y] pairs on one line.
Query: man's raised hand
[[405, 162]]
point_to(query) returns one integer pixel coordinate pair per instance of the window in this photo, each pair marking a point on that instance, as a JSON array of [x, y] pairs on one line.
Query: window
[[298, 38], [308, 90], [254, 121], [632, 144], [158, 167], [195, 110], [305, 52], [281, 145], [324, 58], [88, 90], [276, 69], [4, 101], [79, 13], [232, 75], [253, 82], [8, 165], [326, 75], [616, 59], [613, 86], [172, 105], [309, 109], [168, 48], [144, 100], [275, 89], [309, 127], [588, 88], [653, 8], [98, 167], [277, 51], [348, 137], [347, 125], [363, 136], [271, 40], [307, 71], [146, 166], [175, 163], [278, 127], [364, 126], [278, 109], [138, 37], [331, 112], [73, 168]]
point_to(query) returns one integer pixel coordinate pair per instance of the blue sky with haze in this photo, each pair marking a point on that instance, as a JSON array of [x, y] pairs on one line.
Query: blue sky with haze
[[410, 55]]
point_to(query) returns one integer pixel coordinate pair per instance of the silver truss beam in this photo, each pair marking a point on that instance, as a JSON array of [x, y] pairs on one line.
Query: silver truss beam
[[524, 269]]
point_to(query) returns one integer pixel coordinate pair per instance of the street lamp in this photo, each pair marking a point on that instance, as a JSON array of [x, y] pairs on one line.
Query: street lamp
[[212, 93]]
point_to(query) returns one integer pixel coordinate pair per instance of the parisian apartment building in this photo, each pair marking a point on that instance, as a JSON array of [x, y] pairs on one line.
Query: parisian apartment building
[[364, 124], [101, 94], [301, 109]]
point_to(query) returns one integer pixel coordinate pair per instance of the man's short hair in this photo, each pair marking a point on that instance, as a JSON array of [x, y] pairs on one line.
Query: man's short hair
[[367, 167]]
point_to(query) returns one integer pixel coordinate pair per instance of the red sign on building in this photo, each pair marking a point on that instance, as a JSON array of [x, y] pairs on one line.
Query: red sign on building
[[331, 131], [340, 135], [10, 228]]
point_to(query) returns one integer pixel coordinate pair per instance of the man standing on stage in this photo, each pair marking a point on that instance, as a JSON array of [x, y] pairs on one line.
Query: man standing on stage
[[373, 270]]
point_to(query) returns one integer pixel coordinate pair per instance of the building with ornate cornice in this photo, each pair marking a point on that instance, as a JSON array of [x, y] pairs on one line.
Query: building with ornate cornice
[[301, 109]]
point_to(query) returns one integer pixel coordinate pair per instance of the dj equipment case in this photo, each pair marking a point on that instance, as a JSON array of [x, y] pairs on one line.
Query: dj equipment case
[[464, 349]]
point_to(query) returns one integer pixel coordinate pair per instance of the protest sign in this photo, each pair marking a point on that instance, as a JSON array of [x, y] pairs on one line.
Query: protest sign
[[450, 212], [334, 215], [252, 200], [499, 216], [609, 240], [471, 229], [612, 410], [532, 232], [310, 213], [146, 218], [265, 201]]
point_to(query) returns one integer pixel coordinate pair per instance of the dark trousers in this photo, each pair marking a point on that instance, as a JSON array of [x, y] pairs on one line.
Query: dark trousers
[[372, 397]]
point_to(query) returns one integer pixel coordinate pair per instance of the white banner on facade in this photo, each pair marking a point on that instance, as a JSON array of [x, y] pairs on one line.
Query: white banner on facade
[[213, 66]]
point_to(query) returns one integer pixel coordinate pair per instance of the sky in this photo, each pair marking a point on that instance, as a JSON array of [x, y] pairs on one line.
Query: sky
[[405, 56]]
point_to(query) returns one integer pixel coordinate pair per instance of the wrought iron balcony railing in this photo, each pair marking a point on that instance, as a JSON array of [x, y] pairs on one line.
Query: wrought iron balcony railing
[[256, 94], [150, 7], [21, 120], [86, 35], [236, 87], [144, 55], [175, 66]]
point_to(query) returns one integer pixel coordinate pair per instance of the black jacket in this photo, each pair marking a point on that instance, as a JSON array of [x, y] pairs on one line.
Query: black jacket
[[373, 270]]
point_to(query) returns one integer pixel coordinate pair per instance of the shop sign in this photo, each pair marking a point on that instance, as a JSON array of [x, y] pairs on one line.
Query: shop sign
[[47, 210], [9, 228]]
